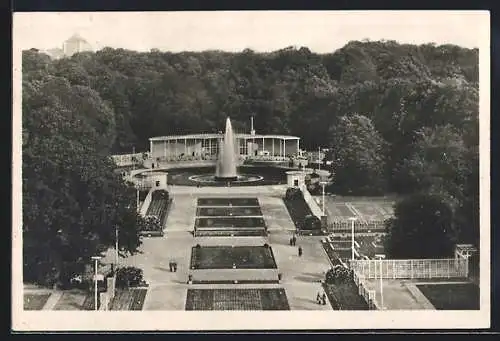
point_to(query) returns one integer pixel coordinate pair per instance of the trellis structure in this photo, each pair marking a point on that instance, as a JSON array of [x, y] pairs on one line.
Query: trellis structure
[[411, 268]]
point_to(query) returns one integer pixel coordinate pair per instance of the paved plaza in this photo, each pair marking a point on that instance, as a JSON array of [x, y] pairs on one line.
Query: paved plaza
[[301, 276]]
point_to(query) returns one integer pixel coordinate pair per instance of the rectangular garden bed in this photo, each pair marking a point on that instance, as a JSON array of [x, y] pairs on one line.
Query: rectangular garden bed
[[225, 202], [128, 299], [344, 296], [228, 212], [35, 301], [230, 222], [237, 299], [237, 257], [452, 296]]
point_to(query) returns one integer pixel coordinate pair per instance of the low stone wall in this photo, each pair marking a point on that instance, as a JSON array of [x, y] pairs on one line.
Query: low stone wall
[[315, 209], [234, 274], [147, 202]]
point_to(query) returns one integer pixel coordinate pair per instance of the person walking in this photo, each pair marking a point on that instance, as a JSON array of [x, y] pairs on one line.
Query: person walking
[[300, 251], [318, 298], [294, 240], [323, 299]]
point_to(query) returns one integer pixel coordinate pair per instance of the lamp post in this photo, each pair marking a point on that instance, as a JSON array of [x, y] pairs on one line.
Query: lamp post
[[116, 246], [381, 285], [323, 184], [352, 219], [95, 258], [319, 157]]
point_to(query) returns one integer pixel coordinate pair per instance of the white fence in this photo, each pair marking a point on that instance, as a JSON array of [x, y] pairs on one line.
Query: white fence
[[411, 268], [128, 159], [367, 294], [343, 226]]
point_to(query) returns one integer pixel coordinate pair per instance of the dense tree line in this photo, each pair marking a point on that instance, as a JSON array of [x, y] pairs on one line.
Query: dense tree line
[[396, 117]]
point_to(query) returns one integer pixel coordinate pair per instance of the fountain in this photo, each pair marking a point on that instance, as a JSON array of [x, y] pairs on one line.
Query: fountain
[[226, 172], [226, 162]]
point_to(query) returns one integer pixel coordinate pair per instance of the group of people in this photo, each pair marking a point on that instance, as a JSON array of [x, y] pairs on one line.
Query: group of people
[[293, 242], [321, 298], [172, 266]]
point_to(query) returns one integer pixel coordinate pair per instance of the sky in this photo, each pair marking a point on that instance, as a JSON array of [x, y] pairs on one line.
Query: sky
[[262, 31]]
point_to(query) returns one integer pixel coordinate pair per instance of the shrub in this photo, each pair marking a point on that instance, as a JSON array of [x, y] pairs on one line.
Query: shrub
[[312, 222], [338, 274], [293, 194], [160, 194], [128, 277], [152, 223]]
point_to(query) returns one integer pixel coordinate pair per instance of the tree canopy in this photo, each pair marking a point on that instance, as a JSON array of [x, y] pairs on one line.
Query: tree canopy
[[422, 228], [398, 118]]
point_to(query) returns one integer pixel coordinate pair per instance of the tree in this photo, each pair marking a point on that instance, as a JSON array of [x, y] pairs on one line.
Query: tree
[[338, 274], [422, 227], [358, 158], [72, 199]]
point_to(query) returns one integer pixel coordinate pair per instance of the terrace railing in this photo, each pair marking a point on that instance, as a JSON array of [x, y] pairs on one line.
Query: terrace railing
[[345, 227], [367, 294], [410, 268]]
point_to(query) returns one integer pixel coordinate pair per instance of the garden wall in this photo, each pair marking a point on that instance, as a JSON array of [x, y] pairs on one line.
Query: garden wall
[[147, 202], [315, 209], [235, 274]]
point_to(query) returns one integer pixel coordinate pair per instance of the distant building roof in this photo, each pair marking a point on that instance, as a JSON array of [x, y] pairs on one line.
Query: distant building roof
[[76, 38], [213, 136]]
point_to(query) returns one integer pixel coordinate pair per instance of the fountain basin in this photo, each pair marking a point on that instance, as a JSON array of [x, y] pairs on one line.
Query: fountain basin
[[204, 176]]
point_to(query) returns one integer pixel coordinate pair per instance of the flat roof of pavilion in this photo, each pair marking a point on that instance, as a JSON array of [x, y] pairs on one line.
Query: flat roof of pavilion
[[214, 136]]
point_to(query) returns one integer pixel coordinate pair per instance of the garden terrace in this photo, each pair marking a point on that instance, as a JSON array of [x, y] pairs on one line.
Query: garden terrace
[[452, 296], [237, 299], [227, 202], [228, 257]]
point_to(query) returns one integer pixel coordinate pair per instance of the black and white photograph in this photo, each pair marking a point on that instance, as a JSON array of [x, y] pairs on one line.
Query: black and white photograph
[[251, 170]]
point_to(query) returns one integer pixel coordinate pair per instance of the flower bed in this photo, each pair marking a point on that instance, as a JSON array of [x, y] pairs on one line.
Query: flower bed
[[128, 299], [344, 296]]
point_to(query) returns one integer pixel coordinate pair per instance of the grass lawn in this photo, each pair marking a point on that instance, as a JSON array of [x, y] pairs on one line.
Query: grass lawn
[[128, 299], [224, 257], [35, 301], [344, 296], [451, 296], [236, 299], [75, 300]]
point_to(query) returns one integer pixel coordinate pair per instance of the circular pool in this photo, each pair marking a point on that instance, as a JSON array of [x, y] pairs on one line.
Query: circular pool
[[205, 176]]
